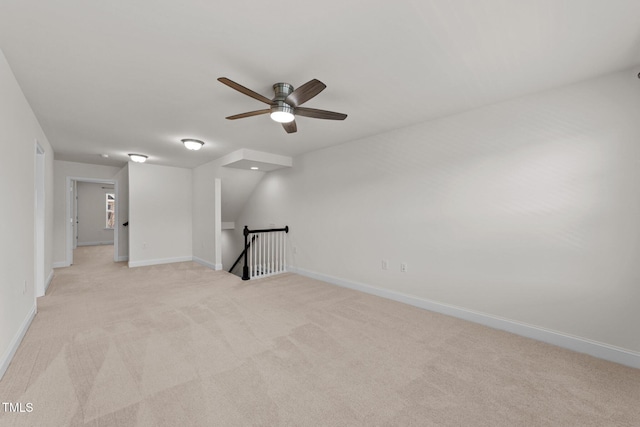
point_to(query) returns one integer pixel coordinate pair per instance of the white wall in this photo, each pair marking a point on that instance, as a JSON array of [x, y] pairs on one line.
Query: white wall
[[62, 170], [19, 129], [525, 210], [160, 214], [204, 215], [122, 205], [231, 247], [91, 214], [236, 188]]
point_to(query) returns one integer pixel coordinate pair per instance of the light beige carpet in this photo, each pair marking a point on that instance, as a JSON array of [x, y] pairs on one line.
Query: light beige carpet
[[182, 345]]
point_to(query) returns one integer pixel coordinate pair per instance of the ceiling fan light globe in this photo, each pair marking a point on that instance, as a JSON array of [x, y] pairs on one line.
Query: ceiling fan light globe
[[282, 116], [282, 112]]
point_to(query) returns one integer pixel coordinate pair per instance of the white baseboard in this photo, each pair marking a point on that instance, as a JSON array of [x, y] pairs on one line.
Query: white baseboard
[[110, 242], [122, 258], [61, 264], [211, 265], [560, 339], [15, 342], [158, 261], [48, 282]]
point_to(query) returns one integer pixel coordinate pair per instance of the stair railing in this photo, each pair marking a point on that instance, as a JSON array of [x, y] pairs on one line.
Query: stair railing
[[242, 253], [266, 257]]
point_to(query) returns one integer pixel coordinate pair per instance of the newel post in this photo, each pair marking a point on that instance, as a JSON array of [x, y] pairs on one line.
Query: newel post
[[245, 269]]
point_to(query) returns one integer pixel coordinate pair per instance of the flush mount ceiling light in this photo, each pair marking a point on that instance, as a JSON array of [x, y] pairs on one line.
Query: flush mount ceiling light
[[192, 144], [138, 158]]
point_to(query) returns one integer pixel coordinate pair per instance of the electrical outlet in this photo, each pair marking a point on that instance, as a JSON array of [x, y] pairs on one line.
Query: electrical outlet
[[295, 250], [144, 245], [24, 288], [385, 264], [403, 267]]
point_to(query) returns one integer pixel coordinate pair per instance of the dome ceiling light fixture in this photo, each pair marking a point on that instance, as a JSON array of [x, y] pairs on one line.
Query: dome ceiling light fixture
[[192, 144], [138, 158], [286, 104]]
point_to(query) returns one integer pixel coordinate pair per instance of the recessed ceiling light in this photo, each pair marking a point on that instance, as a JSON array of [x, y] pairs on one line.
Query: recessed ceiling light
[[104, 156], [138, 158], [254, 168], [192, 144]]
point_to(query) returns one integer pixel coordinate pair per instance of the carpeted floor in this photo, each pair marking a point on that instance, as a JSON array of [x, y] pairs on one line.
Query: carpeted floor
[[182, 345]]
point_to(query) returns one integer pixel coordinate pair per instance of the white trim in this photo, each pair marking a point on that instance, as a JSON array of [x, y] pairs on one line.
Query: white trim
[[148, 262], [560, 339], [211, 265], [95, 243], [48, 282], [15, 342], [123, 258], [61, 264]]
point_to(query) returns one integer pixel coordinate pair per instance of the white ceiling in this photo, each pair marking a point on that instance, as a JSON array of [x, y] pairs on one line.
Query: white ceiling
[[125, 76]]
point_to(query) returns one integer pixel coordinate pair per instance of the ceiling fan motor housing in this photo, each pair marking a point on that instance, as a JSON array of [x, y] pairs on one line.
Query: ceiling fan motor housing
[[283, 111], [282, 90]]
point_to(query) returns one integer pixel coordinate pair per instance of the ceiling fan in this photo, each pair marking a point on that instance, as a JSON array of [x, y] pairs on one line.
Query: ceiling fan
[[285, 105]]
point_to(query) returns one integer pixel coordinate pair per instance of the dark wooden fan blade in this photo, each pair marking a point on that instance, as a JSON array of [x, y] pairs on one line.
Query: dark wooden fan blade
[[305, 92], [290, 127], [245, 90], [319, 114], [249, 114]]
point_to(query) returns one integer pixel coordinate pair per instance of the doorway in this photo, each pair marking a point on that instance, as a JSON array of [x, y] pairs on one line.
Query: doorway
[[110, 194]]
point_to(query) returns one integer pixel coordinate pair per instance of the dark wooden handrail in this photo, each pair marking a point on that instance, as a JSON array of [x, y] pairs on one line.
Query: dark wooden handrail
[[265, 230]]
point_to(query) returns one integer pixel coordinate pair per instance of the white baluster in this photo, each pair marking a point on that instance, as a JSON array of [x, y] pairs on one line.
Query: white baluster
[[264, 247], [278, 252], [269, 254], [256, 258], [280, 261]]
